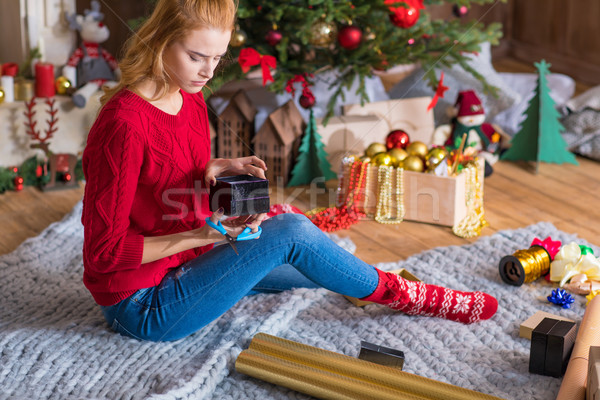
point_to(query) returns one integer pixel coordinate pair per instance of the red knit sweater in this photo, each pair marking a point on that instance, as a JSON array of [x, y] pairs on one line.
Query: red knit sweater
[[144, 173]]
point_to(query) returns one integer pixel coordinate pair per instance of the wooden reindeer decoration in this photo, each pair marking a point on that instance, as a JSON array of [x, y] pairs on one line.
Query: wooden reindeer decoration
[[62, 164]]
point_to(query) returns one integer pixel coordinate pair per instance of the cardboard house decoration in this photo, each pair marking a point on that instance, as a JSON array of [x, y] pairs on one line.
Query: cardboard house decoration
[[278, 139], [410, 115], [350, 135], [235, 127]]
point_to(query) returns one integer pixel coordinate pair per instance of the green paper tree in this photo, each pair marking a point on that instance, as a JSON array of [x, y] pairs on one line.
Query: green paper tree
[[539, 138], [312, 158]]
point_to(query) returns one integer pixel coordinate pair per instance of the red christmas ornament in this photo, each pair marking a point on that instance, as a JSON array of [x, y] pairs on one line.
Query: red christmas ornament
[[307, 100], [397, 139], [460, 11], [273, 37], [404, 17], [349, 37], [382, 65], [18, 181], [67, 177], [39, 171]]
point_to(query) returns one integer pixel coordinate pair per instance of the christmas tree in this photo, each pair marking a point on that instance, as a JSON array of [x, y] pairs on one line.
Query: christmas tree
[[539, 138], [288, 39], [312, 161], [305, 37]]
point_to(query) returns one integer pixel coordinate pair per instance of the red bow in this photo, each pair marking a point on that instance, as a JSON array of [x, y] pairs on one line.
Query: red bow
[[250, 57], [438, 93]]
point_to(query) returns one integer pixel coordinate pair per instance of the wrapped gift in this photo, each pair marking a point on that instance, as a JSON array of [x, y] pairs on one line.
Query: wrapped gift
[[387, 195], [240, 195]]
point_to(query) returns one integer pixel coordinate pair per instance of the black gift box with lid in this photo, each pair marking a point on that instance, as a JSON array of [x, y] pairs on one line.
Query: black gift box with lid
[[240, 195]]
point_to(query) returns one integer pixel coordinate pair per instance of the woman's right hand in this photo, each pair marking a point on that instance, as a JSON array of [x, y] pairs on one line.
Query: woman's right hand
[[233, 226]]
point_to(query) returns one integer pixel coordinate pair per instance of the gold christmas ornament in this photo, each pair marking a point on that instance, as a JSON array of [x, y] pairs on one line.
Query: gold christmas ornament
[[1, 95], [375, 148], [322, 34], [413, 163], [62, 85], [382, 159], [398, 155], [238, 39], [435, 157], [417, 149]]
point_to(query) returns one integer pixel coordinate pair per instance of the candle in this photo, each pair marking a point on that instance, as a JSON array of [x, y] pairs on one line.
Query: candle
[[44, 80], [10, 69], [8, 85]]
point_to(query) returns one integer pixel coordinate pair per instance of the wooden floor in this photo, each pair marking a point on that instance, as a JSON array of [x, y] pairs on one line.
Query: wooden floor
[[514, 196]]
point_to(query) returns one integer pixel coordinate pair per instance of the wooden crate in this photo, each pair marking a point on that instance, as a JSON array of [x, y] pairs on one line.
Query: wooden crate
[[426, 197]]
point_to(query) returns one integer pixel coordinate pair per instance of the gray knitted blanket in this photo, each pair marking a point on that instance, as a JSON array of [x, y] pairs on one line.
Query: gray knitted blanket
[[54, 343]]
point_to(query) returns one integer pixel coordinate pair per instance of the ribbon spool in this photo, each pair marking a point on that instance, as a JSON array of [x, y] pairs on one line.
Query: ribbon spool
[[525, 266]]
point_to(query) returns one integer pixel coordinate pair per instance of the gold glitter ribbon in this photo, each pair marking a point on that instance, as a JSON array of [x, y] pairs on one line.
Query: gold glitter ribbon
[[524, 266], [390, 197], [474, 221]]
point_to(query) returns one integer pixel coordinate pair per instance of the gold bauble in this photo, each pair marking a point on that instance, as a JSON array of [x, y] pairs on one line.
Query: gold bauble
[[62, 85], [382, 159], [398, 155], [435, 157], [417, 149], [413, 163], [375, 148], [1, 95], [238, 38], [365, 159], [322, 34]]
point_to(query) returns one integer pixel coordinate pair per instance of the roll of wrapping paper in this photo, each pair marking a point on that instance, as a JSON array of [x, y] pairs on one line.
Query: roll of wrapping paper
[[325, 374], [524, 266], [574, 381]]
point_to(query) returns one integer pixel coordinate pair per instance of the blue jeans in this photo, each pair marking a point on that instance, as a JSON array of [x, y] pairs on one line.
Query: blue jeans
[[291, 252]]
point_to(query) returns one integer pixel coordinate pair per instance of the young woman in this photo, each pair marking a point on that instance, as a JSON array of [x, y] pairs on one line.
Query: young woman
[[148, 254]]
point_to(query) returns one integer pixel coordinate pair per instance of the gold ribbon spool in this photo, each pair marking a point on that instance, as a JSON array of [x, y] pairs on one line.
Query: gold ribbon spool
[[525, 266]]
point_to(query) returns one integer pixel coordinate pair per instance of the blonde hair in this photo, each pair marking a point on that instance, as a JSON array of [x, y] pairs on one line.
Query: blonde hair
[[170, 21]]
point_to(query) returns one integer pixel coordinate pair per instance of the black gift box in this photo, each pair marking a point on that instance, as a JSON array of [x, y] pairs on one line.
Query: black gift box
[[240, 195], [381, 355], [551, 344]]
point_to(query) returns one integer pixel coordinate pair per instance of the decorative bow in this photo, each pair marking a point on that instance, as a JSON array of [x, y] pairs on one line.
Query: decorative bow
[[551, 246], [250, 57], [560, 297], [572, 260]]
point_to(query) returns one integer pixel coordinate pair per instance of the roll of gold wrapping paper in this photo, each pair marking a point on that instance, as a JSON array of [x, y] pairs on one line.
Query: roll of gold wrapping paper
[[325, 374], [574, 381]]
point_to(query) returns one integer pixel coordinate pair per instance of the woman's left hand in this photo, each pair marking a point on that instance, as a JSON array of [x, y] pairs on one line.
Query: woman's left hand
[[236, 166]]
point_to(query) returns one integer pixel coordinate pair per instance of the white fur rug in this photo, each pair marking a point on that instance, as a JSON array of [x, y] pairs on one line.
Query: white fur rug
[[55, 344]]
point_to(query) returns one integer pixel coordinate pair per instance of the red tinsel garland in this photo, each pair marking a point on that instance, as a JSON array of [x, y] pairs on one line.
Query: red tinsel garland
[[342, 217]]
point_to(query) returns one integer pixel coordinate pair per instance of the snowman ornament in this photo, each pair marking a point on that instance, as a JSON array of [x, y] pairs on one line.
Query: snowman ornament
[[90, 66], [469, 118]]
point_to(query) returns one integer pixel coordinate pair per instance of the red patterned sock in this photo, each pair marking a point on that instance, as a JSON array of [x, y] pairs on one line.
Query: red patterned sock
[[418, 298]]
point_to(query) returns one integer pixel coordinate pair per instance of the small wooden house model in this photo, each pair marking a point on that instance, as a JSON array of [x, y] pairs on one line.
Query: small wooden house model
[[278, 139], [235, 127]]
